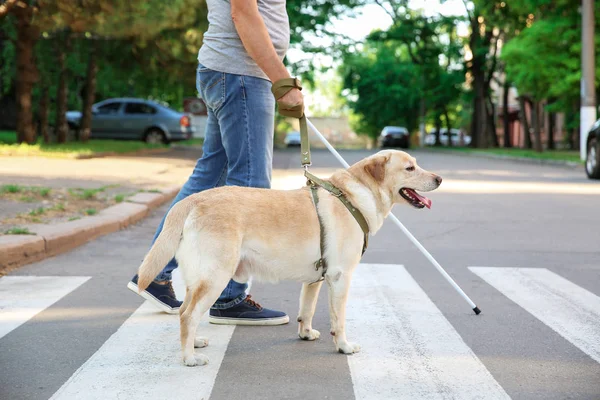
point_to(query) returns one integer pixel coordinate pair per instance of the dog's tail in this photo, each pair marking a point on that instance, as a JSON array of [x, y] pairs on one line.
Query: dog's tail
[[166, 245]]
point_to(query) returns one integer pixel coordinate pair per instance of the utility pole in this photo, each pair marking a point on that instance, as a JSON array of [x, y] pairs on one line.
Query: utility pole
[[588, 91]]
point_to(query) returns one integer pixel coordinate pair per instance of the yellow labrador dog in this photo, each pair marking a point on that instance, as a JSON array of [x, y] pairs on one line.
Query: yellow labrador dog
[[235, 232]]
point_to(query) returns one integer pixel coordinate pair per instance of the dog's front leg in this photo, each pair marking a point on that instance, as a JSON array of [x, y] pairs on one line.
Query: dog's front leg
[[339, 285], [308, 303]]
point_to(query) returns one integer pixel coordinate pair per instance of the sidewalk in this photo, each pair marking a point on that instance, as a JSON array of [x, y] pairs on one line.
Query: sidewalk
[[54, 205]]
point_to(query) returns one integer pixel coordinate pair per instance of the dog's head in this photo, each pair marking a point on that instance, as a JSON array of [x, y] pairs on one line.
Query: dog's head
[[397, 173]]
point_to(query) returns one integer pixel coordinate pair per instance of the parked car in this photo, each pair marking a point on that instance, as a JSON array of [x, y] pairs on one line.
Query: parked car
[[592, 159], [395, 136], [457, 136], [135, 119], [292, 139]]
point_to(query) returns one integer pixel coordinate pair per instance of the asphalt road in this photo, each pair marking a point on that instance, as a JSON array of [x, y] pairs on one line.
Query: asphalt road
[[522, 240]]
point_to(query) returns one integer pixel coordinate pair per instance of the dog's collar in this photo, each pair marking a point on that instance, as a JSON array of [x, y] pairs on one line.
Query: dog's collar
[[314, 184]]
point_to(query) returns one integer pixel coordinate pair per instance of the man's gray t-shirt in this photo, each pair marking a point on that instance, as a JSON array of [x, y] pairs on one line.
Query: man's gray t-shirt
[[222, 49]]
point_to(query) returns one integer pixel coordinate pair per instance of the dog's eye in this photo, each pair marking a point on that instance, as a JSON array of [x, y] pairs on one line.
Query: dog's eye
[[411, 168]]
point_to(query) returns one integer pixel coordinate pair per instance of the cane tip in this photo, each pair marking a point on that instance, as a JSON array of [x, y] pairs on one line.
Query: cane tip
[[477, 310]]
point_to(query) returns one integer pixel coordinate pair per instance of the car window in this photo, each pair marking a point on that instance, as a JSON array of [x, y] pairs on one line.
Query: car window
[[139, 108], [110, 108]]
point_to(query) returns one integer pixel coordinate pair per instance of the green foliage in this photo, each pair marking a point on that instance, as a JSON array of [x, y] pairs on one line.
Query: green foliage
[[19, 231], [544, 59], [417, 60], [37, 211], [382, 87], [7, 55], [11, 188], [8, 137]]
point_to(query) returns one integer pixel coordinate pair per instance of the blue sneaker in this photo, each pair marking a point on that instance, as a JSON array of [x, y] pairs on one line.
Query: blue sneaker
[[162, 296], [248, 312]]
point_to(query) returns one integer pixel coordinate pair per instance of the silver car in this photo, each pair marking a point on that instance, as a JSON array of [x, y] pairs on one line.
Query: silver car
[[135, 119]]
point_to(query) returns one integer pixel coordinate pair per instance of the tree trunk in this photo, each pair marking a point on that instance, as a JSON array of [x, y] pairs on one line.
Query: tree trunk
[[537, 132], [448, 127], [438, 127], [506, 115], [27, 74], [492, 131], [551, 125], [43, 114], [479, 123], [90, 94], [575, 134], [61, 125], [524, 122]]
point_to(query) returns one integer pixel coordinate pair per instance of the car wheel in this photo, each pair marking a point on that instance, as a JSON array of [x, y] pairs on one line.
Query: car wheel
[[155, 136], [592, 160]]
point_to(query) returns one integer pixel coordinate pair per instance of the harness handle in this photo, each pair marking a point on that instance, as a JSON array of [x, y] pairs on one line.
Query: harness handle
[[280, 89]]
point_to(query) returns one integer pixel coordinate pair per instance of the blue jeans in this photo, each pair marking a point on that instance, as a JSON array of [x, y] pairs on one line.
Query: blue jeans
[[237, 150]]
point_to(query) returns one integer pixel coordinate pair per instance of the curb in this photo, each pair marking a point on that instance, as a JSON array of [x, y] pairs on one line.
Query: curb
[[524, 160], [50, 240]]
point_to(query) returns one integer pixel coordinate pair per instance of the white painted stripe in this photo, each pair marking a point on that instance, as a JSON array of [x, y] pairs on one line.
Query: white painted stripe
[[571, 311], [142, 360], [409, 350], [22, 297]]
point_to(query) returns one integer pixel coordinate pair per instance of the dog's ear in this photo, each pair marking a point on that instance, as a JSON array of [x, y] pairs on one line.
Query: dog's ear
[[376, 167]]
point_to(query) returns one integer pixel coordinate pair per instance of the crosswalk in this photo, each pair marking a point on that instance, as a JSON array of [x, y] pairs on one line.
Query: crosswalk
[[410, 350]]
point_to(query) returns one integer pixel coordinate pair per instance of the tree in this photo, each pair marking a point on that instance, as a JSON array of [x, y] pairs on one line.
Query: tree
[[543, 60], [135, 21], [427, 40], [382, 87], [23, 12]]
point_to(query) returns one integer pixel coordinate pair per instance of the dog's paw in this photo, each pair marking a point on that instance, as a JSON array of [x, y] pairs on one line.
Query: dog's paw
[[195, 359], [348, 348], [309, 334], [200, 342]]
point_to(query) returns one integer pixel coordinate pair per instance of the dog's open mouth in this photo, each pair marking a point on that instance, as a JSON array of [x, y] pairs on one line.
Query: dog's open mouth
[[414, 198]]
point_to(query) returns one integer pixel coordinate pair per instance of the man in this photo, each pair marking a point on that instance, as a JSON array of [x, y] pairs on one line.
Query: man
[[242, 54]]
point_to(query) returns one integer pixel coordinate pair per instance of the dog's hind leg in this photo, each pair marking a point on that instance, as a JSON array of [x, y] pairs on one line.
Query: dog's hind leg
[[201, 297], [308, 302], [198, 342], [339, 285]]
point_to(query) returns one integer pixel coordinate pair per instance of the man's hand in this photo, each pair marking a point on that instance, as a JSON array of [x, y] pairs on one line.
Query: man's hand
[[291, 99]]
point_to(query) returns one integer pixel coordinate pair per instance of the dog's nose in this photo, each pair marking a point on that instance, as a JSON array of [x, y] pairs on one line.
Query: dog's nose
[[438, 179]]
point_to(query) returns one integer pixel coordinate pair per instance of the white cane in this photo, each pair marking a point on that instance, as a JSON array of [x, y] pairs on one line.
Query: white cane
[[401, 226]]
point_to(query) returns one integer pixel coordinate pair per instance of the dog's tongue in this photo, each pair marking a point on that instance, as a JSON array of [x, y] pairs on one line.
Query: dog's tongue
[[423, 199]]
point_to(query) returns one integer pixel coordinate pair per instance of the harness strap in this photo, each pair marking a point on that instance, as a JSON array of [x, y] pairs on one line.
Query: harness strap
[[358, 216], [280, 89], [321, 262]]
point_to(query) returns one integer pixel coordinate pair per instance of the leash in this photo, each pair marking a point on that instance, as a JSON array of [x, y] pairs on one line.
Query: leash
[[280, 89]]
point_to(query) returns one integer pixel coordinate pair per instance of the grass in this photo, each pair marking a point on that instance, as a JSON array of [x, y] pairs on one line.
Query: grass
[[74, 218], [9, 147], [85, 194], [557, 155], [37, 211], [8, 137], [59, 207], [19, 231], [11, 189], [190, 142], [119, 198], [43, 191], [90, 211]]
